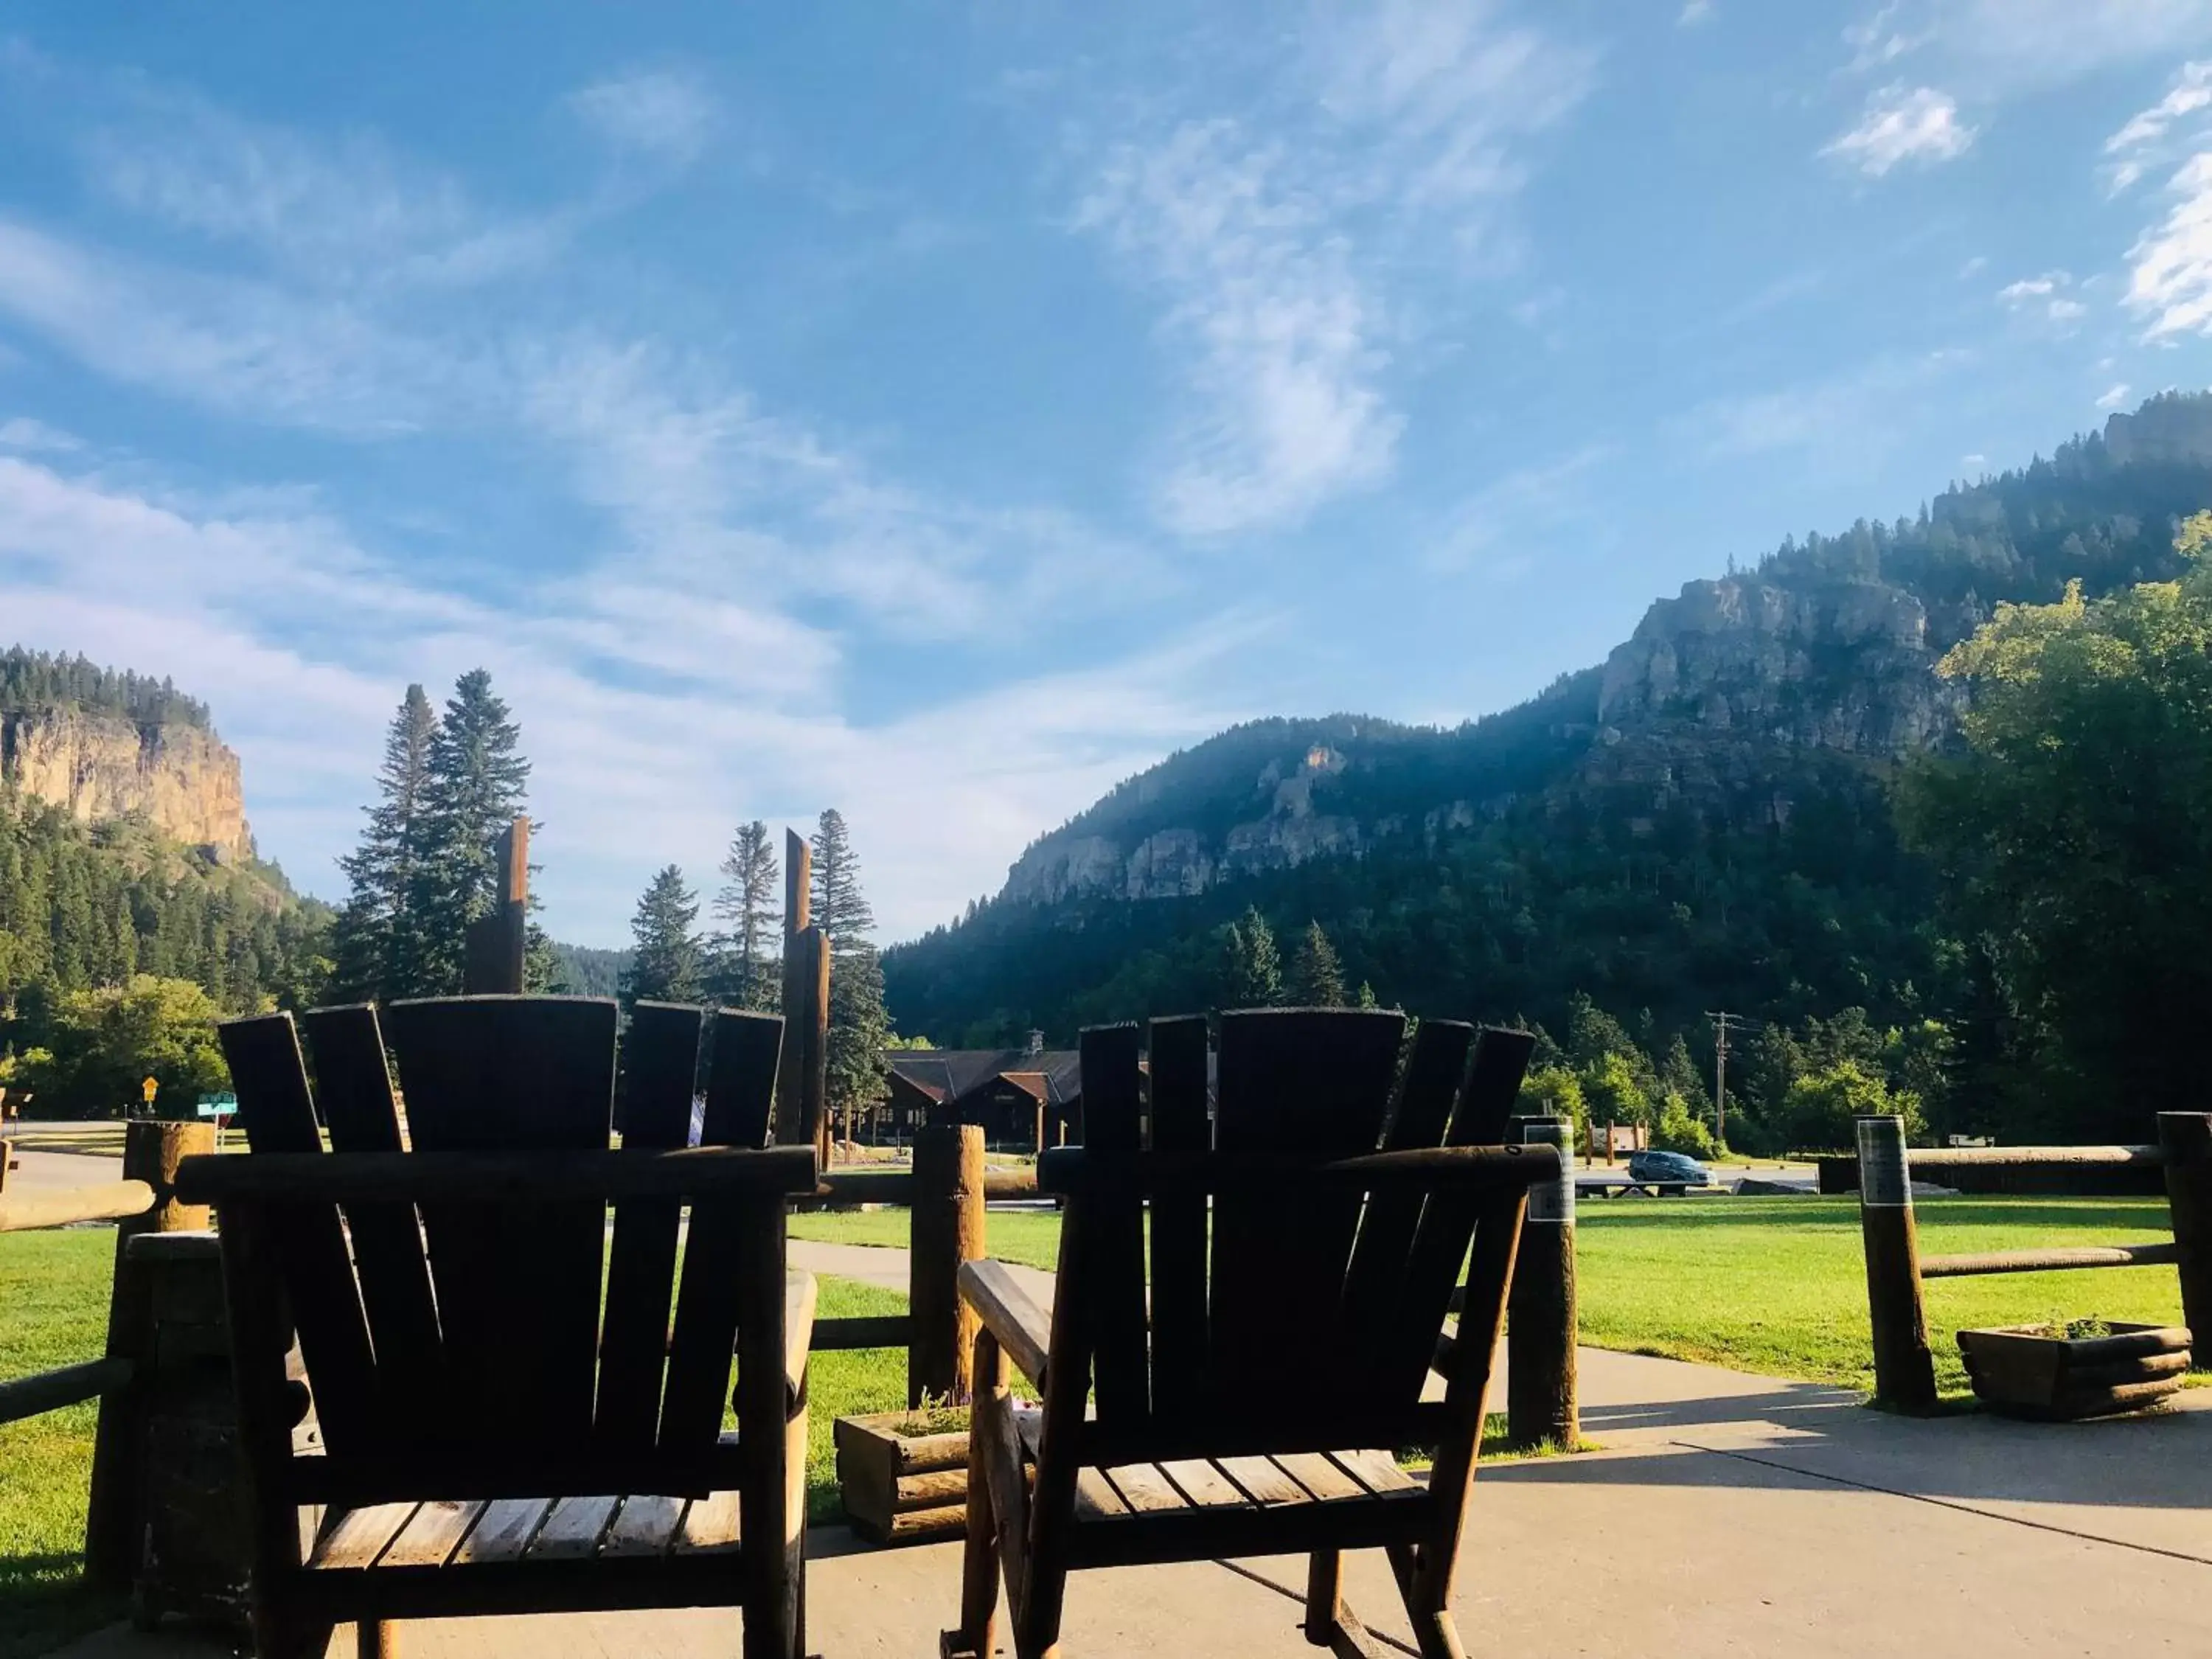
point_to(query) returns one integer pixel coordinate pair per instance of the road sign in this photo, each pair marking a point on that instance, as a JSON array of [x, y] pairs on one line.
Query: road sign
[[218, 1105], [149, 1088]]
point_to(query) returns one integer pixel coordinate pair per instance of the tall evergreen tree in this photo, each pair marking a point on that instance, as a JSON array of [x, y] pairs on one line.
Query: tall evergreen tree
[[1317, 976], [859, 1026], [667, 963], [374, 945], [475, 786], [746, 907], [1251, 973]]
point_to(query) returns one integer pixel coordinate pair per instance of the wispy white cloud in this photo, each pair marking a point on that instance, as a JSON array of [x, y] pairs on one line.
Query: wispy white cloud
[[1851, 411], [2113, 396], [1501, 528], [1901, 124], [667, 115], [2146, 140], [316, 636], [30, 436], [1274, 235], [2049, 297], [1995, 48], [2170, 266], [1695, 13]]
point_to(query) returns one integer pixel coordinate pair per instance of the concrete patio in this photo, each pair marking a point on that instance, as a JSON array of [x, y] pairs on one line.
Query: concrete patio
[[1726, 1515]]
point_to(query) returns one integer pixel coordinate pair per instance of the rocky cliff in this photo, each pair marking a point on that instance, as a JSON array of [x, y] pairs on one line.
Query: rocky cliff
[[99, 766], [1728, 696]]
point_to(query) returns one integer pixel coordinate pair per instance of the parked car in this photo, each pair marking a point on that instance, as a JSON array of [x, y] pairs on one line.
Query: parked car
[[1671, 1171]]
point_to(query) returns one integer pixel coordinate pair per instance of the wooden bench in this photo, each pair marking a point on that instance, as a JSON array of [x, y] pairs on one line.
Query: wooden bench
[[1300, 1268], [485, 1438]]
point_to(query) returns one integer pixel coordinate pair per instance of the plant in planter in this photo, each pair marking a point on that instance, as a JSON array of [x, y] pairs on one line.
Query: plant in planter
[[904, 1475], [2069, 1369]]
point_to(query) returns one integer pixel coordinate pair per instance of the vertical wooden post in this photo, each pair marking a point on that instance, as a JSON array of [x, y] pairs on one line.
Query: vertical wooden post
[[1540, 1383], [113, 1524], [2185, 1139], [801, 1074], [947, 1229], [493, 953], [1904, 1367]]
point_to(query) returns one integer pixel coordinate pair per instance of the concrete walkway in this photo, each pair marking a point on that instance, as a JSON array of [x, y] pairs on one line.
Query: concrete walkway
[[1726, 1514]]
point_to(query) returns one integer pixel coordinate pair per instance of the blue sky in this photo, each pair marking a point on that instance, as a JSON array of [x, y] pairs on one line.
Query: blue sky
[[944, 411]]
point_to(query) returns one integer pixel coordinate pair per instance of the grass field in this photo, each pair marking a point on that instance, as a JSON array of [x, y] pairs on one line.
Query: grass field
[[1774, 1285]]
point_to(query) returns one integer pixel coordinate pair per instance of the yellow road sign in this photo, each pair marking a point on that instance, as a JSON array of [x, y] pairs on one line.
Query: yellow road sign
[[148, 1088]]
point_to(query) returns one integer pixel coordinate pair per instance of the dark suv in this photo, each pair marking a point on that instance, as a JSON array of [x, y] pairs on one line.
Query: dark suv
[[1668, 1171]]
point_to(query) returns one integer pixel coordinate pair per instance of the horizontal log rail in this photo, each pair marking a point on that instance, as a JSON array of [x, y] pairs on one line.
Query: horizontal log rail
[[863, 1331], [106, 1200], [66, 1385], [2056, 1260], [2036, 1158], [843, 1190]]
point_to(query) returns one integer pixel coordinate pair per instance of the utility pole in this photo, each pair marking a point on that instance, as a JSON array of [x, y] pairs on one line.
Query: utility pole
[[1724, 1023]]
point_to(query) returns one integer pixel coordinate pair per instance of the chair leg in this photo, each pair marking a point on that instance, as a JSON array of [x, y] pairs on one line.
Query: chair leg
[[376, 1638], [1324, 1591], [979, 1567]]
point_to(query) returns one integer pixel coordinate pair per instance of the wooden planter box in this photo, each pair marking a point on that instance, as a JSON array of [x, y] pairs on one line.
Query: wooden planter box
[[2022, 1372], [901, 1489]]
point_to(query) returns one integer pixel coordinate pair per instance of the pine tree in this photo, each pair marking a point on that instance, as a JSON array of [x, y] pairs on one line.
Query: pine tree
[[746, 905], [667, 962], [373, 944], [860, 1027], [474, 780], [1316, 977], [1251, 965]]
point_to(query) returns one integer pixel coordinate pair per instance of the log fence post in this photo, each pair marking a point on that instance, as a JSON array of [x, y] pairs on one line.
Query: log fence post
[[947, 1229], [114, 1526], [1904, 1364], [1541, 1390], [2184, 1140], [495, 946]]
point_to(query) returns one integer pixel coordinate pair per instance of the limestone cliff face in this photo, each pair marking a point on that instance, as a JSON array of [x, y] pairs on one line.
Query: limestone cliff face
[[1845, 666], [178, 777], [1287, 830]]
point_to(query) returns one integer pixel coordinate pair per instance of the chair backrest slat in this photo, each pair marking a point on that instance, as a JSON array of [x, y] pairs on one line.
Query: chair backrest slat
[[518, 1284], [278, 1115], [1180, 1124], [1300, 1081], [659, 1069], [353, 1089], [1112, 1122], [740, 1094], [1447, 1223], [1427, 1093]]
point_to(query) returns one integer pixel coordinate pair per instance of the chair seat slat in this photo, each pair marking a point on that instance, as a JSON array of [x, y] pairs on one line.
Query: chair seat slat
[[358, 1537]]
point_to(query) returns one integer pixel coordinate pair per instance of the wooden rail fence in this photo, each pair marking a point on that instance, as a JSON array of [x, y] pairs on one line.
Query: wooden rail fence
[[1903, 1362], [143, 1202]]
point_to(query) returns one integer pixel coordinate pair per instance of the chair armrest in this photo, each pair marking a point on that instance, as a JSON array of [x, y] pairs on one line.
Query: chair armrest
[[798, 1293], [1008, 1313]]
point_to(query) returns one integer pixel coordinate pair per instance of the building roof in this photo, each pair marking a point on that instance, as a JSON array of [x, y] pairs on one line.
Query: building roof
[[1054, 1077]]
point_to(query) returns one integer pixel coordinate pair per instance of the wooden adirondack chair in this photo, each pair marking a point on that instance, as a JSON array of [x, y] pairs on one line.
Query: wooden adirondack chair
[[489, 1441], [1252, 1409]]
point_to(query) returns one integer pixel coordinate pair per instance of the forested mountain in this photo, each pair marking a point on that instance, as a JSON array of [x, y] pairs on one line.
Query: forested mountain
[[1703, 822]]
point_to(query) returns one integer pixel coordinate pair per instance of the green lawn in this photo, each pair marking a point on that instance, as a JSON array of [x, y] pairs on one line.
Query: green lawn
[[1028, 1236], [1777, 1285], [54, 1311], [1774, 1285]]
